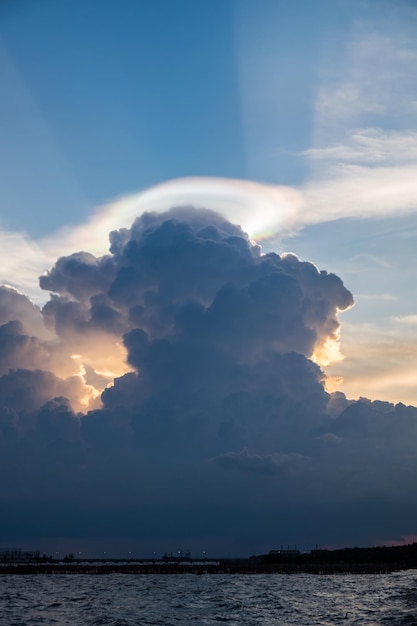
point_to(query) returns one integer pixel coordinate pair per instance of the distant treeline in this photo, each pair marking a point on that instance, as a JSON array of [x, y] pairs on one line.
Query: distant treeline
[[402, 556]]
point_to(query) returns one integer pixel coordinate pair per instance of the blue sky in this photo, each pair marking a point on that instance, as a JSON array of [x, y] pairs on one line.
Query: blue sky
[[100, 103], [297, 121], [147, 92], [113, 101]]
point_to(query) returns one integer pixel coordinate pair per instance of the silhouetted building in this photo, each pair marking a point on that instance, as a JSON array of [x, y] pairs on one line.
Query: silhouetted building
[[285, 554]]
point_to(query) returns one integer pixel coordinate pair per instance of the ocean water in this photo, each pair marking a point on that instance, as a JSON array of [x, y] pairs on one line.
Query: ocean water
[[187, 599]]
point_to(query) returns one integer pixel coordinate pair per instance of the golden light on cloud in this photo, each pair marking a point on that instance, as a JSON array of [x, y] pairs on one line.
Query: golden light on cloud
[[89, 400], [380, 363], [98, 360], [328, 352], [94, 380], [332, 383]]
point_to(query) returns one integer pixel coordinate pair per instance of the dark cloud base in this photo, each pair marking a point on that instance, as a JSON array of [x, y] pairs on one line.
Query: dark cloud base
[[217, 425]]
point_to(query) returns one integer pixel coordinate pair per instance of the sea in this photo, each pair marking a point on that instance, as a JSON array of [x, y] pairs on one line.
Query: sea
[[190, 599]]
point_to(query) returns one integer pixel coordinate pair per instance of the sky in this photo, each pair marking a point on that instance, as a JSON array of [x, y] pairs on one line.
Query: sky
[[208, 286]]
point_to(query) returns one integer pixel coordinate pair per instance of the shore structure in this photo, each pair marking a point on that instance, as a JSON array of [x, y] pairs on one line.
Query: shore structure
[[16, 555], [378, 560]]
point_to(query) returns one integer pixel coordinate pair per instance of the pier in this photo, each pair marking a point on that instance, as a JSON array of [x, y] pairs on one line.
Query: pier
[[223, 566]]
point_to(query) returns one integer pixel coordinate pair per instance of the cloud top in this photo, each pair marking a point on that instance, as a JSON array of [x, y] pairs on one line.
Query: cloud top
[[180, 364]]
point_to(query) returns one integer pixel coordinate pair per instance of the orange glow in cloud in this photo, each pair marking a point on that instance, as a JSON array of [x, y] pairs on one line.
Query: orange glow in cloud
[[328, 351], [332, 383], [99, 360]]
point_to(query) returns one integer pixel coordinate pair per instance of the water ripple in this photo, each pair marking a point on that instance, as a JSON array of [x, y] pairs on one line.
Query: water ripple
[[137, 600]]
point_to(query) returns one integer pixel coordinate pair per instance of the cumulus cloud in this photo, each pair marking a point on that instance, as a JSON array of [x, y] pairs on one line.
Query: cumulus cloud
[[181, 370], [269, 464]]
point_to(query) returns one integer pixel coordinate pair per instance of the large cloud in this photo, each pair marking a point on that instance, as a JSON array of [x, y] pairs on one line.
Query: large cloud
[[201, 348]]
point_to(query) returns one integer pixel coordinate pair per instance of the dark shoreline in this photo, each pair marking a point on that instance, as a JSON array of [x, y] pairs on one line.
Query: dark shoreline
[[197, 568], [377, 560]]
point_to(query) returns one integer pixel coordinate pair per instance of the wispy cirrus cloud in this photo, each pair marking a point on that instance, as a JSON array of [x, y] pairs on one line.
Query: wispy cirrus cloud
[[374, 86], [357, 191], [406, 319], [363, 157], [370, 146]]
